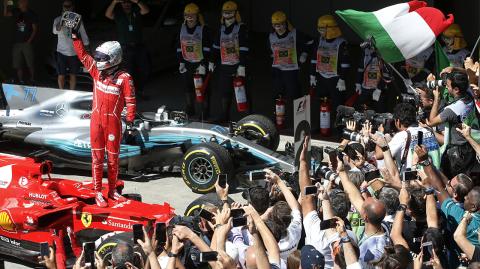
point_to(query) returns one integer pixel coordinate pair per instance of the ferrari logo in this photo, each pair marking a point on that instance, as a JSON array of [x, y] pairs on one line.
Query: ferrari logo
[[86, 219], [6, 222]]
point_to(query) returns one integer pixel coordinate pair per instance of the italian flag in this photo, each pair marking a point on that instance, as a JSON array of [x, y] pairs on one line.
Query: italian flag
[[400, 31]]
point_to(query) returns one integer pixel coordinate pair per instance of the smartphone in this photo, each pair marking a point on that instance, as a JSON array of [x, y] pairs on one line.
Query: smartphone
[[240, 221], [420, 138], [327, 224], [208, 256], [410, 175], [257, 175], [161, 232], [237, 212], [44, 249], [89, 253], [137, 233], [207, 215], [310, 190], [222, 180], [427, 252], [372, 175]]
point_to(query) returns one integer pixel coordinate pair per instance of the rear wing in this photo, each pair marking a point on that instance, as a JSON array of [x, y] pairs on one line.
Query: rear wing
[[22, 96]]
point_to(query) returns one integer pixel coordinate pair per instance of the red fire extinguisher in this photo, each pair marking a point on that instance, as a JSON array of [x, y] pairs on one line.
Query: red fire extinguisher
[[198, 84], [311, 92], [240, 94], [280, 112], [325, 110]]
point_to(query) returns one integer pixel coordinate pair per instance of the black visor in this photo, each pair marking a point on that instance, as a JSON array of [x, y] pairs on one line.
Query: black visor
[[101, 57]]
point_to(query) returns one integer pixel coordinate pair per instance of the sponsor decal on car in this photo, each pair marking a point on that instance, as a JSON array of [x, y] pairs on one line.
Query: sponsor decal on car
[[22, 123], [215, 164], [37, 195], [6, 222], [82, 144], [86, 219], [6, 178], [117, 223], [22, 181], [11, 241], [47, 113]]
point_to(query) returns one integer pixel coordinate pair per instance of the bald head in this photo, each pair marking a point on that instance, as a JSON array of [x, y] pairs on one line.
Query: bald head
[[250, 258], [374, 211]]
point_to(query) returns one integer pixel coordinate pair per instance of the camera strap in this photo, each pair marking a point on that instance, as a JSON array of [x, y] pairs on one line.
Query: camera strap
[[407, 149]]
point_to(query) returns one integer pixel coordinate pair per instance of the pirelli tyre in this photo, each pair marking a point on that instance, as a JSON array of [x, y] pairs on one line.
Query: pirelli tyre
[[210, 198], [202, 164], [259, 129], [107, 242]]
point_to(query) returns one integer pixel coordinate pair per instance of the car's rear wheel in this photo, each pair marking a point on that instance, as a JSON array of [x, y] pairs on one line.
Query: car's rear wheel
[[260, 130], [202, 164], [210, 198]]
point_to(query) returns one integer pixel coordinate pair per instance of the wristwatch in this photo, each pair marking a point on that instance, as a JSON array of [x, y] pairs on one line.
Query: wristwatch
[[427, 162], [385, 148], [429, 191], [217, 226], [171, 254], [345, 239], [402, 207]]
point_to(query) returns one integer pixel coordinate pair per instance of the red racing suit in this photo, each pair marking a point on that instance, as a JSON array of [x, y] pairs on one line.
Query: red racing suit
[[110, 95]]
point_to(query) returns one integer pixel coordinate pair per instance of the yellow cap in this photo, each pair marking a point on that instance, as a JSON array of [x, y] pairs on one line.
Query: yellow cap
[[454, 31], [230, 6], [191, 9], [332, 29], [279, 17]]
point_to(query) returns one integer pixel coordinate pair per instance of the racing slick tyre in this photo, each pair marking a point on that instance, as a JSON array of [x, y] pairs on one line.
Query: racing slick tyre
[[110, 241], [201, 165], [210, 198], [259, 129]]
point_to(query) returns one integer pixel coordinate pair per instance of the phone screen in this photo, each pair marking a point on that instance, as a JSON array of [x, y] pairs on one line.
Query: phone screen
[[372, 175], [137, 232], [161, 232], [205, 214], [89, 252], [240, 221], [420, 138], [427, 252], [257, 175], [44, 249], [410, 175], [332, 156], [310, 190], [329, 223], [222, 180], [237, 212], [208, 256]]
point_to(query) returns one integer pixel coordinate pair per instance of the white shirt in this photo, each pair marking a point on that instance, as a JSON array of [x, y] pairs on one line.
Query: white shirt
[[372, 248], [319, 239], [65, 42], [399, 141]]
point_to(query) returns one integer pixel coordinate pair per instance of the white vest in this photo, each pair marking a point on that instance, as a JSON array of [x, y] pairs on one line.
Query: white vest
[[327, 57], [416, 64], [191, 44], [284, 51], [230, 46], [371, 73]]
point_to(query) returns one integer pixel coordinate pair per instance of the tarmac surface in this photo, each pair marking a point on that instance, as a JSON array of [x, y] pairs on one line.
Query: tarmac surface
[[170, 189]]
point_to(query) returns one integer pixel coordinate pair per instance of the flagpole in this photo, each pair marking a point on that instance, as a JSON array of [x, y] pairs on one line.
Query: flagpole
[[475, 47]]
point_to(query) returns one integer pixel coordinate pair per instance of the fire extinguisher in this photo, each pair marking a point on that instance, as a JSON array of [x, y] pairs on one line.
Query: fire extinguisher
[[280, 112], [198, 84], [311, 92], [325, 110], [240, 93]]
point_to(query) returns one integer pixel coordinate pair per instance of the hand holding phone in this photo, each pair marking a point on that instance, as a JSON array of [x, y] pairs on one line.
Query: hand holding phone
[[222, 180], [138, 233], [44, 249]]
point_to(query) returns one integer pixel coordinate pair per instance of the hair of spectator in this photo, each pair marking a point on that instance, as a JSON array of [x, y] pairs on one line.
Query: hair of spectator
[[405, 113], [352, 148], [459, 80], [375, 211], [389, 197], [435, 236], [339, 203], [122, 253], [417, 204], [259, 199], [395, 257], [476, 197], [463, 186], [275, 228], [282, 213], [293, 260], [474, 265], [356, 177]]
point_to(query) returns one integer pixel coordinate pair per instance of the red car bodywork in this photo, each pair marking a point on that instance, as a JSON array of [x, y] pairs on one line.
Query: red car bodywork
[[36, 208]]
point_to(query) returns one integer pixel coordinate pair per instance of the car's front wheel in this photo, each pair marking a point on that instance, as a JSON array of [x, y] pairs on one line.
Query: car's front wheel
[[202, 164]]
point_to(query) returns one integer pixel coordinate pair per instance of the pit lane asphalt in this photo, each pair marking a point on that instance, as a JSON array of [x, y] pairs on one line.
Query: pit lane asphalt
[[170, 189]]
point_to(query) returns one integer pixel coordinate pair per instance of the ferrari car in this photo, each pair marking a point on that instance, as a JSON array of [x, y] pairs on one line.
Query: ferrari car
[[37, 208], [163, 141]]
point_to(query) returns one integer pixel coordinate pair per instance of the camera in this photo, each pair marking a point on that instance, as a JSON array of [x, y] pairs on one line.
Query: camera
[[326, 173], [352, 136], [438, 83], [345, 114], [413, 99]]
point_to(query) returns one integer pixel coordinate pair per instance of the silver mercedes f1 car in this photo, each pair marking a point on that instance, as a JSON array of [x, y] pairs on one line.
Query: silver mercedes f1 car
[[57, 121]]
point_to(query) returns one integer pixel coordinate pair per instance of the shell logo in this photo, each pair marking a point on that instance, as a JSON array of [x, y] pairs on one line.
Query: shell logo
[[6, 222]]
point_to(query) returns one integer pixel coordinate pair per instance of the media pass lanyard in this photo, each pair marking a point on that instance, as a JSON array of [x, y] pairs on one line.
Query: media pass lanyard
[[407, 149], [131, 21]]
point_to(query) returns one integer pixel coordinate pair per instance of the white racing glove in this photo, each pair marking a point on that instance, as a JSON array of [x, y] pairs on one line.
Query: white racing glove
[[211, 67], [303, 57], [341, 85], [181, 68], [201, 70], [241, 71], [313, 81], [358, 88]]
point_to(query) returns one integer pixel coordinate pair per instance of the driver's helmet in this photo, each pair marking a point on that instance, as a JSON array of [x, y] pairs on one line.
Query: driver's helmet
[[107, 55]]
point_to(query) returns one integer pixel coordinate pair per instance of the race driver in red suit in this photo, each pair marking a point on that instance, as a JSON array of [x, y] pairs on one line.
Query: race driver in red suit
[[112, 90]]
